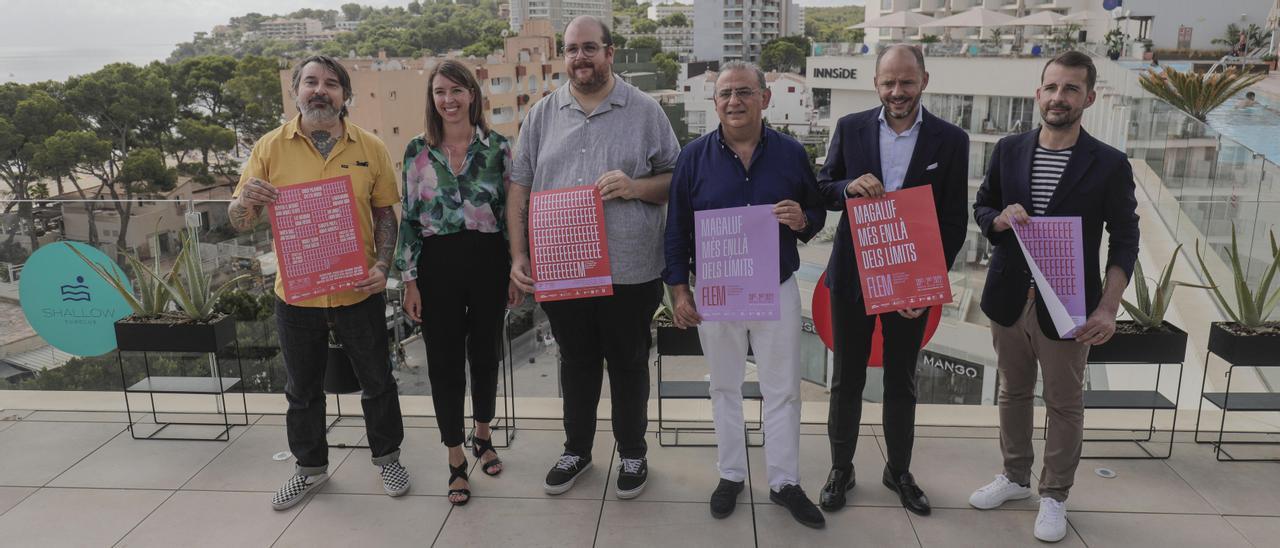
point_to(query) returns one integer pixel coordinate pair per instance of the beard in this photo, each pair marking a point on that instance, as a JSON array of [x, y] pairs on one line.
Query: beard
[[911, 105], [590, 84], [314, 111], [1059, 121]]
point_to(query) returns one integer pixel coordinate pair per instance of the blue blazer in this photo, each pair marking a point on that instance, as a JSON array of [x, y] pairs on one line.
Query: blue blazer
[[940, 159], [1097, 185]]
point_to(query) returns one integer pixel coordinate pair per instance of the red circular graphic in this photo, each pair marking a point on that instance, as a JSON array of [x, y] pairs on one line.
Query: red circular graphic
[[821, 309]]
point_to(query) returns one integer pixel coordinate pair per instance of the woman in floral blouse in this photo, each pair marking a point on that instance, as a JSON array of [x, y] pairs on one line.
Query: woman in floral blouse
[[454, 261]]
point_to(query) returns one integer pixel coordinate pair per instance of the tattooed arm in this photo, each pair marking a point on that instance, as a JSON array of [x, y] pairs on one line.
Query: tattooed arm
[[247, 207], [385, 226]]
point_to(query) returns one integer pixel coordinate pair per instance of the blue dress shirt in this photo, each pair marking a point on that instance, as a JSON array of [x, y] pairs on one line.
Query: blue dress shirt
[[709, 175], [896, 149]]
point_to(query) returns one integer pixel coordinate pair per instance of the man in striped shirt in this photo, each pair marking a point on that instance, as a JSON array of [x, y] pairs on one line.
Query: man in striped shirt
[[1057, 170]]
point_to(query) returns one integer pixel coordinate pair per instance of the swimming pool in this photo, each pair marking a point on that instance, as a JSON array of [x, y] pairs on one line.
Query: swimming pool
[[1256, 127]]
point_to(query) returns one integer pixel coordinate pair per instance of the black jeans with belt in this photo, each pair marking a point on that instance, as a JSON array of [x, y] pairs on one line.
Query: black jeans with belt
[[851, 332], [462, 279], [304, 340], [612, 330]]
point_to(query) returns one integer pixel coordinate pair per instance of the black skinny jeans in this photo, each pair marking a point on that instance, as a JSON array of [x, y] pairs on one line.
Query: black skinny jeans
[[304, 340], [462, 279]]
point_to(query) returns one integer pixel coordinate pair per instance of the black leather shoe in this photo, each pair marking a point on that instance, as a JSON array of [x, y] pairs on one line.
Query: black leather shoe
[[832, 497], [912, 497], [725, 498], [792, 498]]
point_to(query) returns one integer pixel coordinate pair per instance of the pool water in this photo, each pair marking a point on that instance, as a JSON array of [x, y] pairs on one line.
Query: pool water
[[1256, 127]]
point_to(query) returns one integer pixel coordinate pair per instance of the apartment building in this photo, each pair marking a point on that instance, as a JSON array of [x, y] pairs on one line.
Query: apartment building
[[731, 30], [559, 12]]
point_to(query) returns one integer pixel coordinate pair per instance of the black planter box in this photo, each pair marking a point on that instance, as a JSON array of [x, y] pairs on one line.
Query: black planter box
[[164, 337], [1244, 349], [673, 341], [1153, 347]]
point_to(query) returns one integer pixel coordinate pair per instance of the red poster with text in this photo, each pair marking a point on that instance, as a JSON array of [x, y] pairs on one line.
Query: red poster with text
[[899, 250], [319, 242], [568, 250]]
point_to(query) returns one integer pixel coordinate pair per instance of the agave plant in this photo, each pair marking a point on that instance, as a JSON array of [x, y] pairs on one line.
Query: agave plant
[[152, 298], [1193, 93], [1150, 309], [189, 286], [1253, 305]]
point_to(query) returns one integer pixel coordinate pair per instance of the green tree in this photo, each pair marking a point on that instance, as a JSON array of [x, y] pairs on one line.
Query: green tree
[[207, 137], [127, 107], [28, 118], [782, 56], [353, 12], [255, 90], [199, 84], [415, 7], [668, 69], [1255, 36], [643, 26], [645, 42], [674, 20], [830, 24]]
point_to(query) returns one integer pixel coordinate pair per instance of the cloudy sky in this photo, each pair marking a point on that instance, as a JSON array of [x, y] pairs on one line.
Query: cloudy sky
[[42, 39]]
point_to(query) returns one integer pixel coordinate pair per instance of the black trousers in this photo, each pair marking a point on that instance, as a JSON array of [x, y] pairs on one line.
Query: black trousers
[[613, 329], [851, 333], [304, 340], [462, 279]]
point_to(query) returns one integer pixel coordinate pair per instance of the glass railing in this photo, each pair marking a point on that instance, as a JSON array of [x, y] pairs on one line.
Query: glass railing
[[1202, 183]]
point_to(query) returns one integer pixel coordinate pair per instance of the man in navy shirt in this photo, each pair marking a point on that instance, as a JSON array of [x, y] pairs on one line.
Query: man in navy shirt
[[746, 163]]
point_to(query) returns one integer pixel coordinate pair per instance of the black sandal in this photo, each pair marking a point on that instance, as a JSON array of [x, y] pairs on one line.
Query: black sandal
[[455, 473], [480, 446]]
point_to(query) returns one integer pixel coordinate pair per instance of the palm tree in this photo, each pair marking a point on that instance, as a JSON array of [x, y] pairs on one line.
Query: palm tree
[[1196, 94]]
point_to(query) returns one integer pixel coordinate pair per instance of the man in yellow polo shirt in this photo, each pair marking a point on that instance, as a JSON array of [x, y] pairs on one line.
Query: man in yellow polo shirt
[[320, 143]]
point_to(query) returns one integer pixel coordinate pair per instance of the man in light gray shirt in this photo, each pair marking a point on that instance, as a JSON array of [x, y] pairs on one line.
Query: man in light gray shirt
[[602, 131]]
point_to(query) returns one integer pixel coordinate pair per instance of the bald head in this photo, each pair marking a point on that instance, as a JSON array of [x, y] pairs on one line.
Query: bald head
[[900, 53], [593, 25]]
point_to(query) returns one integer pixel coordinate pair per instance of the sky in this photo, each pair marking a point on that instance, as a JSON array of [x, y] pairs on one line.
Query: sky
[[43, 39]]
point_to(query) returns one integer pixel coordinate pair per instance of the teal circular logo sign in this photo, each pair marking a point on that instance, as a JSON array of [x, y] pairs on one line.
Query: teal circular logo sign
[[70, 305]]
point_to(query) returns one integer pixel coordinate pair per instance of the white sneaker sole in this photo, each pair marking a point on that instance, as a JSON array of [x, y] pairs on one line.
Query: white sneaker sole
[[633, 493], [294, 502], [1047, 539], [397, 493], [566, 486], [1018, 496]]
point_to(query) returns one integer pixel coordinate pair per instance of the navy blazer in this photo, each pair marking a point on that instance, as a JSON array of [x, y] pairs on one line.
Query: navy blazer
[[940, 159], [1097, 185]]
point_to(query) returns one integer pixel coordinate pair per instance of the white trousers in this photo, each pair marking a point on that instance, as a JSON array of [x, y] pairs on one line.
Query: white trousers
[[776, 345]]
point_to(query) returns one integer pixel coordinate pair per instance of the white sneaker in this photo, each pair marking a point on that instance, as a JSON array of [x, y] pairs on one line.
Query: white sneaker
[[1051, 522], [998, 492]]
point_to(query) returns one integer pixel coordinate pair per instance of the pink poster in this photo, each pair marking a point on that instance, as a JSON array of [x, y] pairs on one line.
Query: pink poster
[[899, 250], [568, 248], [318, 238], [1056, 249], [737, 260]]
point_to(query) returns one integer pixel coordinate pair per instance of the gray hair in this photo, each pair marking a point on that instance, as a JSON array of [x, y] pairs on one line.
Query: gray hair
[[747, 66]]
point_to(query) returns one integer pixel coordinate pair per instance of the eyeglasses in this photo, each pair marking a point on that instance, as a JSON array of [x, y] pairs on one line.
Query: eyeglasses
[[589, 49], [741, 93]]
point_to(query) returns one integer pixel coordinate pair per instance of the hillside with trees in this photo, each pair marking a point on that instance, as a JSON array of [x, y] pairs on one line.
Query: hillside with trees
[[830, 24]]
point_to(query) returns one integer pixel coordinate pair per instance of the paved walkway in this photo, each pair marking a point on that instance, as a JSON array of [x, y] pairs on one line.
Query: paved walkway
[[80, 479]]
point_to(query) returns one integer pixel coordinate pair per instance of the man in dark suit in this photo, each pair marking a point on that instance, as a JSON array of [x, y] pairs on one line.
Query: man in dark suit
[[1057, 170], [895, 146]]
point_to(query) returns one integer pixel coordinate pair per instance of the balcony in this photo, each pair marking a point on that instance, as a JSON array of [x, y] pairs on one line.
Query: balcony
[[147, 493]]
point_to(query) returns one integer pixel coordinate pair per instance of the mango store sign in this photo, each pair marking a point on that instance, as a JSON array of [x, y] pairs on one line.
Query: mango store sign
[[67, 303]]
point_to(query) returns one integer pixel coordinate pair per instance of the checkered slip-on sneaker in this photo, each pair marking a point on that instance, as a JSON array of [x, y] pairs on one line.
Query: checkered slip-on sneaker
[[296, 489], [395, 479]]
